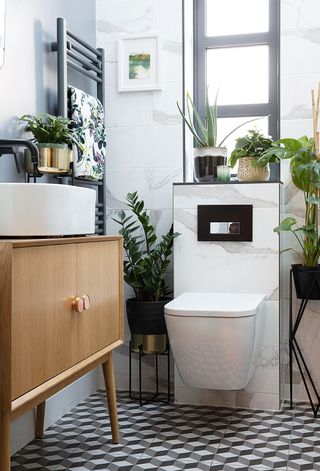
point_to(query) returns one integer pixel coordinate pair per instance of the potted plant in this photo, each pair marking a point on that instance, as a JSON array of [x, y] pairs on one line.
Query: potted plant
[[53, 136], [247, 151], [208, 153], [144, 270], [305, 172]]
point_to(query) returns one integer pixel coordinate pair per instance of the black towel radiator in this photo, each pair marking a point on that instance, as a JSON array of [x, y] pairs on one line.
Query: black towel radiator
[[77, 54]]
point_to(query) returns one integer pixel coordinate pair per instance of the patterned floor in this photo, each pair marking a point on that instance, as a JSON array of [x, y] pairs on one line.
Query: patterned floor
[[171, 438]]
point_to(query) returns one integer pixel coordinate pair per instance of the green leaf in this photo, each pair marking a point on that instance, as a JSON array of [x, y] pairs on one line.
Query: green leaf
[[286, 225]]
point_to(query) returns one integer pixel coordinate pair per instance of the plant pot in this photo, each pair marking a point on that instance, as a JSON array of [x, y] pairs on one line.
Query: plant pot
[[53, 158], [305, 278], [206, 161], [248, 173], [147, 324]]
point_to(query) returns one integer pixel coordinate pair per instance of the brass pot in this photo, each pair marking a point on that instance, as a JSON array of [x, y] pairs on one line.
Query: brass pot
[[153, 343], [53, 158]]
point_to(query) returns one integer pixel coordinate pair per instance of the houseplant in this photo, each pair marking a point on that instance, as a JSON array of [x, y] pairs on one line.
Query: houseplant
[[53, 136], [209, 153], [304, 158], [247, 151], [147, 260]]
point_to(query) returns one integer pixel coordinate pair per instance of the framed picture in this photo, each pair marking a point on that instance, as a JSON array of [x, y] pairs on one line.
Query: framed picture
[[139, 62]]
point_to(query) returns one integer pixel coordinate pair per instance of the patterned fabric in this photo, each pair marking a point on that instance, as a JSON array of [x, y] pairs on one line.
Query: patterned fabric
[[88, 114]]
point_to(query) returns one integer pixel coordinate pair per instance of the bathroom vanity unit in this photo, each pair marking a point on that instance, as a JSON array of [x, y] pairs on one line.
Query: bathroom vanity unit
[[61, 315]]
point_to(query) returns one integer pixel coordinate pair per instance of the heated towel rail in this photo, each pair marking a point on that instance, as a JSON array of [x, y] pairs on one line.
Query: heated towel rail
[[73, 52]]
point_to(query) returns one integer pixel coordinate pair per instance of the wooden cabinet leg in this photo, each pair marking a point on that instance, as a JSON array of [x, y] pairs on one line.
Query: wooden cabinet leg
[[5, 441], [41, 408], [111, 397]]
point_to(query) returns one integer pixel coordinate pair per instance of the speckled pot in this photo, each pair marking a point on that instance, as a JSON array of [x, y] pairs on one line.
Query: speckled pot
[[248, 173]]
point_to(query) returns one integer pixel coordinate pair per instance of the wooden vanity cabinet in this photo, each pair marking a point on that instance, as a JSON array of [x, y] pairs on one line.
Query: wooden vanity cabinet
[[61, 315]]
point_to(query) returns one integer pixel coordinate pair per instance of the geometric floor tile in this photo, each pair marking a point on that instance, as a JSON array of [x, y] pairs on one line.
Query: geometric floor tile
[[173, 437]]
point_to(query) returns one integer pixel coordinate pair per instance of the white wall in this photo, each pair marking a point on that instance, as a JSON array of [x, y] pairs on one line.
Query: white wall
[[300, 72], [28, 85], [144, 130]]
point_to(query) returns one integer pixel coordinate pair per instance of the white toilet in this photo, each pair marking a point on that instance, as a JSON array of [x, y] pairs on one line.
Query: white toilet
[[215, 337]]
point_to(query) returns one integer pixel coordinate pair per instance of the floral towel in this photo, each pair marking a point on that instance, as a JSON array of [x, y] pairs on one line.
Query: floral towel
[[88, 114]]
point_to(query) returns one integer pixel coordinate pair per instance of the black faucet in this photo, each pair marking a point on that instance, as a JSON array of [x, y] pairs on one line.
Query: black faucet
[[7, 145]]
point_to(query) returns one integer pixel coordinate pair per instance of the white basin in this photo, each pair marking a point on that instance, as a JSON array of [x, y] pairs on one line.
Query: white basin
[[43, 209]]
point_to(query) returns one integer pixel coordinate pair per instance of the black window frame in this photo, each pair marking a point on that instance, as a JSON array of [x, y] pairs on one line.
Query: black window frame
[[270, 38]]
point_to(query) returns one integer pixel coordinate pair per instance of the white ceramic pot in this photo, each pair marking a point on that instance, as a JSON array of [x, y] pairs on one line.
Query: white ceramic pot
[[248, 173], [206, 161]]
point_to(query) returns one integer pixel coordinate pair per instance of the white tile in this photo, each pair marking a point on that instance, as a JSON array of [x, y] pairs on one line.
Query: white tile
[[266, 375], [144, 146], [260, 195], [226, 273], [265, 240], [120, 182], [296, 128], [128, 109], [165, 110], [167, 17], [162, 185], [271, 324]]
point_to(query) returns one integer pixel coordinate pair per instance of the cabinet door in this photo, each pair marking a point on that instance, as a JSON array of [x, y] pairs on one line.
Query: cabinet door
[[44, 324], [98, 273]]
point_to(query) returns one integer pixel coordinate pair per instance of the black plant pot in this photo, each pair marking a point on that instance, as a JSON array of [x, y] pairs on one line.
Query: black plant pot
[[205, 167], [307, 281], [146, 317]]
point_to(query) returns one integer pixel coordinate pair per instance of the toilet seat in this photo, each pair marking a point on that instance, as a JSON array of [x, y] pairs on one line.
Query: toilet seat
[[215, 304]]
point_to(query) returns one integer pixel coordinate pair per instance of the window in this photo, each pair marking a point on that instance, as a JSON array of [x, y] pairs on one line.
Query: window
[[236, 51]]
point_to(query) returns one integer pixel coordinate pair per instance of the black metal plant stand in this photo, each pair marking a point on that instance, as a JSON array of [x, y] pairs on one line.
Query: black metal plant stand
[[139, 395], [294, 349]]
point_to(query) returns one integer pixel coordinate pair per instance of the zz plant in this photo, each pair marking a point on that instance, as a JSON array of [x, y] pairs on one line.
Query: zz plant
[[146, 259]]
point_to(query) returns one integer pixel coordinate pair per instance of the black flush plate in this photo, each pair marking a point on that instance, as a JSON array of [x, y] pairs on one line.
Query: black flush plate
[[225, 222]]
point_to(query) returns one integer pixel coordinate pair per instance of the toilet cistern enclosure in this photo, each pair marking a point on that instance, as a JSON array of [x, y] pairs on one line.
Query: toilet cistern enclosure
[[215, 337]]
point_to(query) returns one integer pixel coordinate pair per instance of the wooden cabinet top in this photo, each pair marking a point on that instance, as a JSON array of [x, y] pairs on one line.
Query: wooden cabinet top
[[18, 243]]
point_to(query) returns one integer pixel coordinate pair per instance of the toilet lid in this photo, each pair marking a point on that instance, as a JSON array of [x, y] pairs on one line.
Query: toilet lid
[[215, 304]]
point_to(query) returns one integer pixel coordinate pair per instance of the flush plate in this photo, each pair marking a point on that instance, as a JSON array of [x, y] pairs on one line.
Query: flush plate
[[225, 222]]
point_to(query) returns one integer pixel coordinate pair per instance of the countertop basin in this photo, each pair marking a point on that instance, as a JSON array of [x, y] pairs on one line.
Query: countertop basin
[[43, 209]]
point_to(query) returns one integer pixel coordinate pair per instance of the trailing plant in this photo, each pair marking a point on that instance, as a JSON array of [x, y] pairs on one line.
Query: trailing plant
[[49, 129], [205, 131], [304, 158], [146, 259], [253, 144]]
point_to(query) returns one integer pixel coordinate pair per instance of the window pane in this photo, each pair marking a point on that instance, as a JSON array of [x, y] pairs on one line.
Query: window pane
[[225, 125], [226, 17], [239, 73]]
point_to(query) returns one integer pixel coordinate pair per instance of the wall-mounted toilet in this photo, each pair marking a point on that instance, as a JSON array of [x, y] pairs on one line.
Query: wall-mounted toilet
[[215, 337]]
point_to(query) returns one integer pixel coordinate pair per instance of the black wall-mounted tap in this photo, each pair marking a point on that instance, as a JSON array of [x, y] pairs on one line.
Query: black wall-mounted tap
[[7, 147]]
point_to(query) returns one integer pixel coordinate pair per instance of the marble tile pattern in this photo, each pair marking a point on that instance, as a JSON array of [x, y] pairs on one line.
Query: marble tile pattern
[[175, 437], [300, 43], [144, 129], [233, 267]]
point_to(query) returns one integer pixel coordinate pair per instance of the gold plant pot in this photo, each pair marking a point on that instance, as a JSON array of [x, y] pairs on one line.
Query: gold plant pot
[[152, 343], [53, 158]]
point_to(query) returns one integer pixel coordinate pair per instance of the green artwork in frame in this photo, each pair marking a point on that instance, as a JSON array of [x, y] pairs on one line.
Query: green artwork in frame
[[139, 66]]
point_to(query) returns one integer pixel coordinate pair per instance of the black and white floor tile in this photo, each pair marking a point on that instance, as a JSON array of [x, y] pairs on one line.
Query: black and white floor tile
[[172, 437]]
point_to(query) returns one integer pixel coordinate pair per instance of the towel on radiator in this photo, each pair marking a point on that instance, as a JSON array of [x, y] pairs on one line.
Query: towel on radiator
[[87, 113]]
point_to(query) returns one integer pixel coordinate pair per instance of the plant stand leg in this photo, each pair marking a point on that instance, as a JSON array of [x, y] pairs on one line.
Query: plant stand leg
[[140, 379], [130, 371], [111, 397], [169, 379], [40, 419], [290, 341], [5, 441], [157, 376]]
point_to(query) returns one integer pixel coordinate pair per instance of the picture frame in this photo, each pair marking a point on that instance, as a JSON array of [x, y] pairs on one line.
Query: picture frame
[[139, 62]]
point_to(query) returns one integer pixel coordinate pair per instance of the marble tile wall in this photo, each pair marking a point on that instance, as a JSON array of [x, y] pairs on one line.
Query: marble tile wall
[[144, 129], [300, 72], [236, 267]]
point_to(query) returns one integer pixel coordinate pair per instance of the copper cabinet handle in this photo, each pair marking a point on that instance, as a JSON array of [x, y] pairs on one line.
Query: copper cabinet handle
[[81, 303]]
